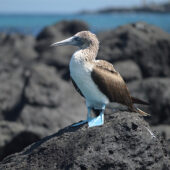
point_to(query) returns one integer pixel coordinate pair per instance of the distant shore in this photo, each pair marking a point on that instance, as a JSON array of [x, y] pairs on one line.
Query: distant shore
[[154, 8]]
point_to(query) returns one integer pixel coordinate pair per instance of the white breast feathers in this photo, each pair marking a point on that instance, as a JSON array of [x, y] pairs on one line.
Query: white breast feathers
[[80, 71]]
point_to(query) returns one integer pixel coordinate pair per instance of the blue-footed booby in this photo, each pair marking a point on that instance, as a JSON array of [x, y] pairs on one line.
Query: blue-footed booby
[[96, 80]]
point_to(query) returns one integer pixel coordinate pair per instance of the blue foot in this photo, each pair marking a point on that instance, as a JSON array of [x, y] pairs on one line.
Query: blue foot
[[97, 121], [80, 123]]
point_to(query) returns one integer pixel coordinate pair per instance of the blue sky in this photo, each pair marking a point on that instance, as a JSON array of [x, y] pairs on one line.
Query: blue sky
[[63, 6]]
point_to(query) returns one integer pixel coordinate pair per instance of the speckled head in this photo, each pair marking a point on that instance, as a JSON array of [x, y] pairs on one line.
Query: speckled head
[[86, 39], [83, 39]]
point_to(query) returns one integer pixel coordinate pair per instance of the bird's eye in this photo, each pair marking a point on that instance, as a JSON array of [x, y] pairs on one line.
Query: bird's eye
[[77, 38]]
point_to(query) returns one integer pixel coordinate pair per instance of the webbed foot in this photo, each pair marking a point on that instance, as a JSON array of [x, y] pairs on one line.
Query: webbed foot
[[97, 121]]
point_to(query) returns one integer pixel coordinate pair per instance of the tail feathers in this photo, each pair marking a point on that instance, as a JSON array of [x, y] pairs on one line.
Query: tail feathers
[[142, 112], [137, 110], [138, 101]]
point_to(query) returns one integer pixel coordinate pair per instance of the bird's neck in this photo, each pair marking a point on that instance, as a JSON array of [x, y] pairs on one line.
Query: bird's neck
[[88, 53]]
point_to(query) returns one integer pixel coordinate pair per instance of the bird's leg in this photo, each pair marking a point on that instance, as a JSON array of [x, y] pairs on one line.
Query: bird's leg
[[79, 123], [99, 120], [89, 114], [85, 121]]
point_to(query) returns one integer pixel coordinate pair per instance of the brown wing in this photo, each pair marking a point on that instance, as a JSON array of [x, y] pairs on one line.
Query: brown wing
[[110, 83], [105, 65], [76, 87]]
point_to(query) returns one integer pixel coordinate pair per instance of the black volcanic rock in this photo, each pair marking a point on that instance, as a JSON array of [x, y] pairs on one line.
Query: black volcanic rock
[[45, 88], [40, 101], [64, 27], [48, 99], [157, 92], [147, 45], [14, 137], [16, 50], [39, 92], [11, 89], [58, 57], [123, 142], [47, 92], [129, 70]]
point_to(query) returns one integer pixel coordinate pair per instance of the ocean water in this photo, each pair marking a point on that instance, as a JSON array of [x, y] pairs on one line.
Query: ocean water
[[33, 24]]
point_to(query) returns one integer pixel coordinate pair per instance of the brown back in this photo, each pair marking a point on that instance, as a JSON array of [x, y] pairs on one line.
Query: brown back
[[110, 83]]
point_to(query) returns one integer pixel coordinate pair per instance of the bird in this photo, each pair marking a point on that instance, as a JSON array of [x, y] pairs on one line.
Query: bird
[[96, 80]]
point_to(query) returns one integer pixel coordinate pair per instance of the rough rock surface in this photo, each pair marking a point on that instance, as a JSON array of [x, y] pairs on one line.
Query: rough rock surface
[[43, 94], [14, 137], [16, 50], [123, 142], [164, 130], [157, 92], [11, 89], [50, 98], [129, 70], [147, 45]]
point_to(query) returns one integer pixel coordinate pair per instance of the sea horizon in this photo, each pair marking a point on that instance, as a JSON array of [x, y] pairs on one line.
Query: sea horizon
[[33, 23]]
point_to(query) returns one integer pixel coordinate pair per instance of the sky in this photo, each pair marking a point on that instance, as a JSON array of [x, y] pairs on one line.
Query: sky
[[64, 6]]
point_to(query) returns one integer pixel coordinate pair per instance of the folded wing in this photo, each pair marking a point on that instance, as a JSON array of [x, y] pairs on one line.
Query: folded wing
[[111, 83]]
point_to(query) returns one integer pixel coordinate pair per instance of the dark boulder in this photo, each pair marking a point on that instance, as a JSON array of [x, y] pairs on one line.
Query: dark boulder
[[64, 27], [123, 142], [164, 131], [11, 89], [129, 70], [147, 45], [157, 92], [16, 50], [39, 92], [49, 120], [47, 92], [47, 100], [44, 88], [39, 100], [14, 137]]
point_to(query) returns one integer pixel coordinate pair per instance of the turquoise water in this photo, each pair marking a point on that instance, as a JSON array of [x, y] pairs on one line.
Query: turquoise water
[[33, 24]]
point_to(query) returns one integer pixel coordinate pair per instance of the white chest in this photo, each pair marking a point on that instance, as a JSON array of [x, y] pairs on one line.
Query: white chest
[[80, 72]]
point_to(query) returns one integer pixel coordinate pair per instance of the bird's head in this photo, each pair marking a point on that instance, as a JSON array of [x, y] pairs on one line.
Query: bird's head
[[82, 39]]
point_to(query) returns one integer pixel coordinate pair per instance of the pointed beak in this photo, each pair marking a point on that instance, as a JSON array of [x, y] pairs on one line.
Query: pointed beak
[[69, 41]]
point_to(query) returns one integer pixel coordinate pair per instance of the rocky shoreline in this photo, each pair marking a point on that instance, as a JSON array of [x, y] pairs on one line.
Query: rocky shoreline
[[37, 97]]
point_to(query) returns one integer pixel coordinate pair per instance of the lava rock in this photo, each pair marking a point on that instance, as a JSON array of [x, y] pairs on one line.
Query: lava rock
[[44, 87], [11, 88], [49, 120], [123, 142], [40, 101], [14, 137], [164, 130], [46, 90], [48, 99], [147, 45], [64, 27], [157, 92], [129, 70], [16, 50]]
